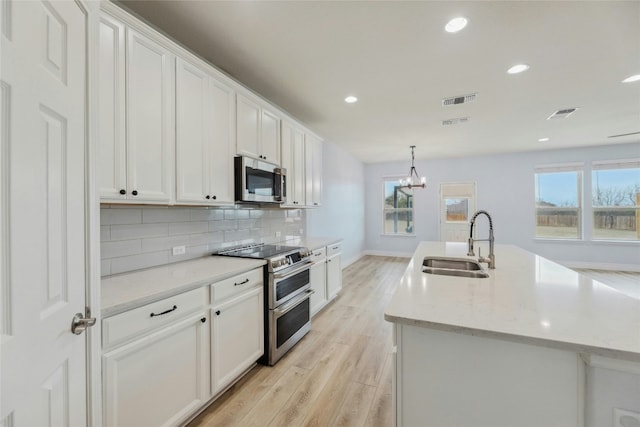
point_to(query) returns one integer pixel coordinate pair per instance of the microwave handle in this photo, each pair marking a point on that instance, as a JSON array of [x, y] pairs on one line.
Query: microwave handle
[[280, 192]]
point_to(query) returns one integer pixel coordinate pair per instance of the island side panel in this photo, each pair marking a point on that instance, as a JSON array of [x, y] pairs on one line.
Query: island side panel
[[451, 379]]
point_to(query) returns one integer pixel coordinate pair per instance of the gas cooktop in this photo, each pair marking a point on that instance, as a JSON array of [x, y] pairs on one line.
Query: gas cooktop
[[260, 251]]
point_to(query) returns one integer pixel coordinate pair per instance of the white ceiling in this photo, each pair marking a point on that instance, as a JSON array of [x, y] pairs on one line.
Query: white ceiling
[[395, 56]]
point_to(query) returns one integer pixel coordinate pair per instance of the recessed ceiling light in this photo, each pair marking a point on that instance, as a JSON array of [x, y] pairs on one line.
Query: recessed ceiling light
[[456, 24], [519, 68], [350, 99], [633, 78], [543, 139]]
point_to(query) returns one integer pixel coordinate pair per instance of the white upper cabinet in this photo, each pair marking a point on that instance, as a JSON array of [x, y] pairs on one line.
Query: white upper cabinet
[[204, 136], [136, 109], [112, 172], [150, 126], [293, 160], [313, 156], [257, 131]]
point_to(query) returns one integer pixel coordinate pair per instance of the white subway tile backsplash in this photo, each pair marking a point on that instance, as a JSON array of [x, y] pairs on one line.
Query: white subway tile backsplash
[[123, 232], [206, 238], [115, 216], [135, 237], [226, 224], [165, 214], [137, 262], [120, 248], [161, 243], [105, 233], [206, 214], [188, 228]]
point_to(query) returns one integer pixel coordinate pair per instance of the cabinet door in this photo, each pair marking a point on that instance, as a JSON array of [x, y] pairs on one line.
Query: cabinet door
[[270, 137], [247, 127], [298, 175], [193, 118], [237, 336], [111, 93], [318, 279], [222, 145], [286, 157], [150, 106], [314, 198], [160, 379], [334, 275]]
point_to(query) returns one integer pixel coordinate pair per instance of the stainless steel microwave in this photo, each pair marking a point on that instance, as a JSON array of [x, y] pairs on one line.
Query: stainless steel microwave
[[259, 181]]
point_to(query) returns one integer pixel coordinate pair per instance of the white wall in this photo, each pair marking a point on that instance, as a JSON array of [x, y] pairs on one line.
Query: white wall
[[342, 213], [505, 188]]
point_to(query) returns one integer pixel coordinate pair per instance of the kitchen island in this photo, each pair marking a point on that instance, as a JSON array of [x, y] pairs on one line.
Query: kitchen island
[[515, 349]]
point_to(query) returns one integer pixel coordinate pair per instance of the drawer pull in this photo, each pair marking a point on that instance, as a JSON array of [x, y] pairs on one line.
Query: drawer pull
[[217, 312], [204, 319], [244, 282], [175, 307], [335, 247]]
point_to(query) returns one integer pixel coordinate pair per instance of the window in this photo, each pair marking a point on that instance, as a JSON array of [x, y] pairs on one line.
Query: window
[[615, 198], [398, 208], [558, 202], [457, 209]]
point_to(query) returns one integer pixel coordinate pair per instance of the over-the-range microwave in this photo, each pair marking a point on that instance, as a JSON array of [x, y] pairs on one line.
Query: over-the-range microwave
[[258, 181]]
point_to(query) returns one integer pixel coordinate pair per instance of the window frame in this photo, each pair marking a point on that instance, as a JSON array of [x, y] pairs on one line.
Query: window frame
[[386, 210], [578, 169], [610, 165]]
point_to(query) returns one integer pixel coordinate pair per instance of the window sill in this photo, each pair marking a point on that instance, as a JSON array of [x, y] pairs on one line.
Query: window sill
[[588, 242], [616, 242], [551, 240], [397, 235]]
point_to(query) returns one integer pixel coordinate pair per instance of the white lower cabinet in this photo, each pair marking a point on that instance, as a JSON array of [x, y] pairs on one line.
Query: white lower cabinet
[[334, 270], [159, 379], [163, 361], [237, 327], [318, 279]]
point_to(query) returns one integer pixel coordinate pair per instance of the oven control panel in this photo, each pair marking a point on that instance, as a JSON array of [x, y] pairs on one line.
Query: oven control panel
[[289, 260]]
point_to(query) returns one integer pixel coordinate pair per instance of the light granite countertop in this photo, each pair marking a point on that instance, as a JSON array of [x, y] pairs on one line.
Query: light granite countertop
[[527, 299], [126, 291]]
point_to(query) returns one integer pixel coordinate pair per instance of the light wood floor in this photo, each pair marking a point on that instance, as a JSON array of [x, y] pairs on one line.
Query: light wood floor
[[338, 375]]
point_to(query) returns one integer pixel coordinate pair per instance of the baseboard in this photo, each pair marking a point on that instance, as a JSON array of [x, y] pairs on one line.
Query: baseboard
[[601, 266], [389, 253]]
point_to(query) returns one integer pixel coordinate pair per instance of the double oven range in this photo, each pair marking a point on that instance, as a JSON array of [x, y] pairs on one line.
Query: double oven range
[[287, 292]]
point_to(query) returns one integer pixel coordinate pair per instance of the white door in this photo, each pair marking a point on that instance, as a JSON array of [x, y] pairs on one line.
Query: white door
[[270, 137], [42, 118], [457, 204], [222, 147], [247, 127]]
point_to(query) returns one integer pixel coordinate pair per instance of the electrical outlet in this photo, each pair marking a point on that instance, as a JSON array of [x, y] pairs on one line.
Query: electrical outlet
[[624, 418], [278, 234], [178, 250]]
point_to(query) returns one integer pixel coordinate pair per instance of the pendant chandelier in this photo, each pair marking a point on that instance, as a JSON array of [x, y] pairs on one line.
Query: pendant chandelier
[[413, 180]]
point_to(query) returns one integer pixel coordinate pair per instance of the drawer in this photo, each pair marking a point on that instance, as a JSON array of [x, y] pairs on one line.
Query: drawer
[[334, 249], [236, 284], [121, 327], [318, 254]]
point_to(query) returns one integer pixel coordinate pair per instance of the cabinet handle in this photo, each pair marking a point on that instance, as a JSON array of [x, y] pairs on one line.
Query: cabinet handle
[[208, 197], [217, 312], [204, 319], [134, 192], [123, 192], [175, 307], [315, 204], [214, 197], [244, 282], [335, 247]]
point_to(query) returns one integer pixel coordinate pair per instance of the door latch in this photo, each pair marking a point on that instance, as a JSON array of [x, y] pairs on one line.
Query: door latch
[[81, 322]]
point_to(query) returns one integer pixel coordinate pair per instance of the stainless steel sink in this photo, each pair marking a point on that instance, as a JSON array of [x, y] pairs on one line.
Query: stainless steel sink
[[448, 266]]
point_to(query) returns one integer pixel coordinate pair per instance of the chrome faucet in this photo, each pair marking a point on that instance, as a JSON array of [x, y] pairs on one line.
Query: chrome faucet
[[491, 260]]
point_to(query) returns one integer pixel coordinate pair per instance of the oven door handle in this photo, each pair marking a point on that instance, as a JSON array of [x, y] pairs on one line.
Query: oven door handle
[[290, 305], [306, 265]]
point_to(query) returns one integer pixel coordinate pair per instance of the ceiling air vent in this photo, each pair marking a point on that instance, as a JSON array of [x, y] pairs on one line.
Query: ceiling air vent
[[562, 114], [457, 120], [462, 99]]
